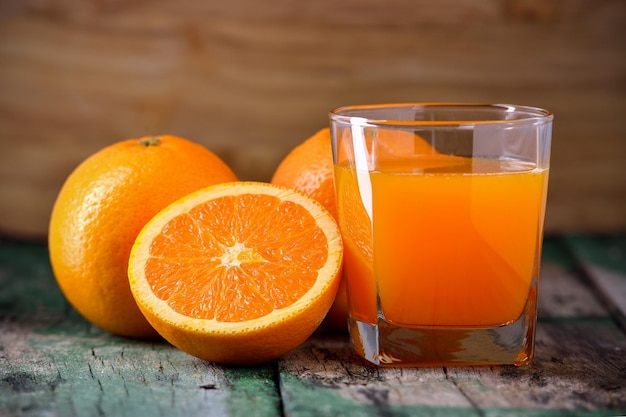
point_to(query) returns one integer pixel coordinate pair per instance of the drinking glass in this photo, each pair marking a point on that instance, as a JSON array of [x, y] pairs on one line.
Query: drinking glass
[[441, 209]]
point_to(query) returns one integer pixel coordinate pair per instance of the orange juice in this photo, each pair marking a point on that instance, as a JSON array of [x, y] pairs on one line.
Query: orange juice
[[442, 240]]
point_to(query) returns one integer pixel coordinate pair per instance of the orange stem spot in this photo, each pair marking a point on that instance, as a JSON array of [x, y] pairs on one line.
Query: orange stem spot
[[151, 141]]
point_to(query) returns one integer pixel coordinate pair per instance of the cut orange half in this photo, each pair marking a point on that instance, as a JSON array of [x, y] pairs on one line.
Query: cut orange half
[[238, 273]]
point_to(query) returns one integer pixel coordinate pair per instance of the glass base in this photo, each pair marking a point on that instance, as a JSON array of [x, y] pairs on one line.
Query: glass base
[[386, 344]]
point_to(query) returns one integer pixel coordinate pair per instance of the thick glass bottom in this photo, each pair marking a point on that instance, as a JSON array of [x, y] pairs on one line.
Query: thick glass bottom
[[386, 344]]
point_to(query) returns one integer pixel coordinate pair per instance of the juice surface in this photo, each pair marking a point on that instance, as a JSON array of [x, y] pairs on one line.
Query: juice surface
[[445, 241]]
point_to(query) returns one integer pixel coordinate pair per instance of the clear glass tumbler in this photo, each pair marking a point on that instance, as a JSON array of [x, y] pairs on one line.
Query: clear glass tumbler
[[441, 208]]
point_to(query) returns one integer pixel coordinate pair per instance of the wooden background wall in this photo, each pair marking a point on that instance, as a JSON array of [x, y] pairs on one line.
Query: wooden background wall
[[251, 79]]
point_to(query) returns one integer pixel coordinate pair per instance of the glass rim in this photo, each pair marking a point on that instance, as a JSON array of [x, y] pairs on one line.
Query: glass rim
[[531, 115]]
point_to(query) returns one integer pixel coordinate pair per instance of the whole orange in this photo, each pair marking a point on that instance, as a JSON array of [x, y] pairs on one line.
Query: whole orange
[[101, 208], [309, 168]]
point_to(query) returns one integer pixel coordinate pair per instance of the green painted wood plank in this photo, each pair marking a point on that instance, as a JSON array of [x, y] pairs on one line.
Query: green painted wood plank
[[27, 285], [562, 291], [554, 252], [52, 362], [101, 375], [579, 370], [608, 251], [603, 260]]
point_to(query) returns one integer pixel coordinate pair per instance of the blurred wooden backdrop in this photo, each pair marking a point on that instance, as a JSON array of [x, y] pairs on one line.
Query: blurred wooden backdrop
[[251, 79]]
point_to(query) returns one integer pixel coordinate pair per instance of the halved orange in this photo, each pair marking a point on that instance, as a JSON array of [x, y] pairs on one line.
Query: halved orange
[[238, 273]]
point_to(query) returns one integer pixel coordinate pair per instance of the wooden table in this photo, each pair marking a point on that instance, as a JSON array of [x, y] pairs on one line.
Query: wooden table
[[53, 363]]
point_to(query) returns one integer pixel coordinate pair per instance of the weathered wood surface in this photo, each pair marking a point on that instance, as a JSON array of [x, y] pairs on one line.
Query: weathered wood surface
[[53, 363], [252, 81]]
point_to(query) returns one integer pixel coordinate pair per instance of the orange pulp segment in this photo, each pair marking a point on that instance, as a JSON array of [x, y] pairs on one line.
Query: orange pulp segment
[[237, 273]]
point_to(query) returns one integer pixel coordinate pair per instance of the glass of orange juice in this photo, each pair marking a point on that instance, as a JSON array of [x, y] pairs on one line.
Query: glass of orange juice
[[441, 208]]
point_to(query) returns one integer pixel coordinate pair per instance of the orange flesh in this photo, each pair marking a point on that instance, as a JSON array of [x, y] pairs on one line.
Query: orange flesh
[[238, 258], [450, 243]]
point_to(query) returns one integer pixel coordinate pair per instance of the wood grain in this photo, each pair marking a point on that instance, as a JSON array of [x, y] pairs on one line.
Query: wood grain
[[602, 261], [52, 362], [251, 82], [324, 378]]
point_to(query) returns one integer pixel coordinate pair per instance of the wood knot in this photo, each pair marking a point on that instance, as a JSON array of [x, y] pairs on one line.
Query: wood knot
[[533, 10]]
